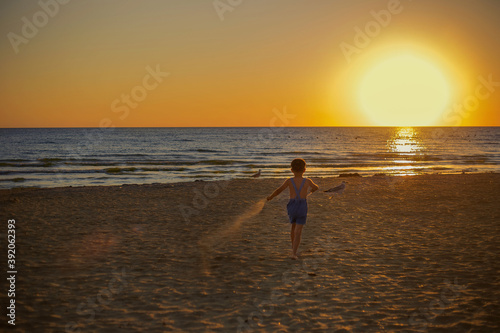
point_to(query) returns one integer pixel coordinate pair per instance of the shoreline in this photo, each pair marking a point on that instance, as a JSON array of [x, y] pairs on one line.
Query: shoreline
[[344, 176]]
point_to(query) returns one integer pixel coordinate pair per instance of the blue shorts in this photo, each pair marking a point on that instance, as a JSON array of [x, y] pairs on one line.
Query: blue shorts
[[297, 211]]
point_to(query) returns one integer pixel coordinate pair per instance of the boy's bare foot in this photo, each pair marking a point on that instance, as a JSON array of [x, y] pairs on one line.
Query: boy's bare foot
[[294, 257]]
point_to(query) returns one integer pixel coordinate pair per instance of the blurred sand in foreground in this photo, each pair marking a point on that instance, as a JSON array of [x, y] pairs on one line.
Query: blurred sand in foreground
[[392, 254]]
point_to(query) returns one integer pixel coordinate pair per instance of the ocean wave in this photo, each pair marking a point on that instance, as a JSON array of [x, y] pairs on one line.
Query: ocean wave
[[352, 159], [119, 170], [305, 153], [268, 166], [207, 151], [398, 155], [50, 159], [13, 160], [14, 180], [128, 155], [217, 162], [164, 169], [437, 168]]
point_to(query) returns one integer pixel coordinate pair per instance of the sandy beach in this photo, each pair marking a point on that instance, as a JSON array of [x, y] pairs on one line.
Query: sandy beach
[[392, 254]]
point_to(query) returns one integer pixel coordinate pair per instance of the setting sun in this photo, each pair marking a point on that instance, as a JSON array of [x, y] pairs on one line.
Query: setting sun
[[404, 90]]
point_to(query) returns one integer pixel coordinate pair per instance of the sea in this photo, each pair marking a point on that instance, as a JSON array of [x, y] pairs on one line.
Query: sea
[[56, 157]]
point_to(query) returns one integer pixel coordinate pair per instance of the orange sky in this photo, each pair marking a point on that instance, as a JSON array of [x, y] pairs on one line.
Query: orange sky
[[85, 58]]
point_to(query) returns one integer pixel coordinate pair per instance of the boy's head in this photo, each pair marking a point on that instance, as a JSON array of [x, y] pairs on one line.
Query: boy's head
[[298, 166]]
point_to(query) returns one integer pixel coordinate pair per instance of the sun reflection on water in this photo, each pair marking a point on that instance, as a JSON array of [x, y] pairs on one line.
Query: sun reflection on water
[[405, 147], [405, 140]]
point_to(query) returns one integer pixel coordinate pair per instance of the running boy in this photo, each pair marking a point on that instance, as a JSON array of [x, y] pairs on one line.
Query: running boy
[[297, 205]]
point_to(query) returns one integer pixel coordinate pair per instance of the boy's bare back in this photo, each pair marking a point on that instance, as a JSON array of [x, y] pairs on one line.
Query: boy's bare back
[[298, 181]]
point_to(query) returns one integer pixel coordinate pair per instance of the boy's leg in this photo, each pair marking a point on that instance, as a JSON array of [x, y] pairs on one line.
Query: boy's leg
[[292, 234], [296, 239]]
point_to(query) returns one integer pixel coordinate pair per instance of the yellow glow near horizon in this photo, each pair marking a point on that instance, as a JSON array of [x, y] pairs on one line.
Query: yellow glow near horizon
[[404, 90]]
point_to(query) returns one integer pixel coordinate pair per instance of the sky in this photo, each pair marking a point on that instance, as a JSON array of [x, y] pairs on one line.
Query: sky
[[169, 63]]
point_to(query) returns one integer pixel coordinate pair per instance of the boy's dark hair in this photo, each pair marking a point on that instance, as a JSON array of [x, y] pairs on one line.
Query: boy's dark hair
[[298, 165]]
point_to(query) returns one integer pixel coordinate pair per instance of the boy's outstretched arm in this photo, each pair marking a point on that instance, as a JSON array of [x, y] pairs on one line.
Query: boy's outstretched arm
[[278, 190], [314, 187]]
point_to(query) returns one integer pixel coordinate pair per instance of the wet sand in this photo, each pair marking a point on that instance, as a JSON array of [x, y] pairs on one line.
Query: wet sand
[[392, 254]]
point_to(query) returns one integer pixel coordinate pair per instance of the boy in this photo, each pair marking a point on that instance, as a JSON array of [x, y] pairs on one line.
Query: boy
[[297, 205]]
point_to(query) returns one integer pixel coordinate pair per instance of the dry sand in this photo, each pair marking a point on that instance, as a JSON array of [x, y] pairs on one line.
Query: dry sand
[[392, 254]]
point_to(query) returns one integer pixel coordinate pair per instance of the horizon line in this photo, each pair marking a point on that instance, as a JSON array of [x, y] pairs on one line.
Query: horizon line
[[358, 126]]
